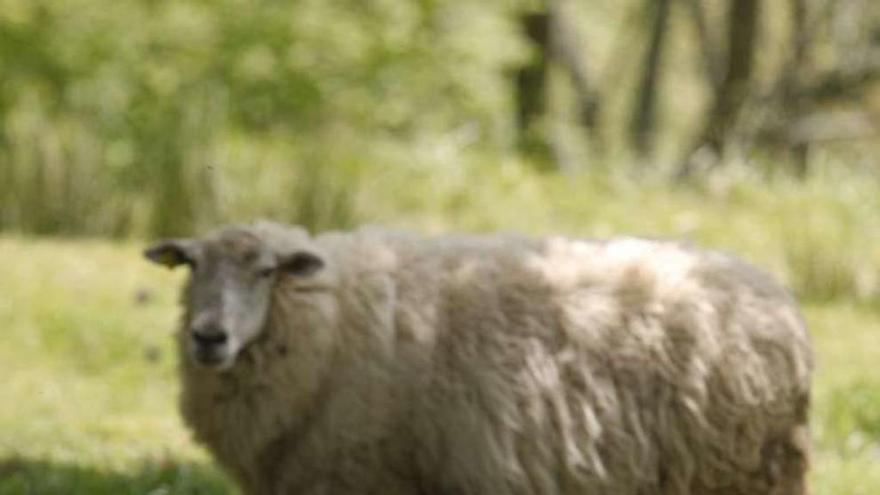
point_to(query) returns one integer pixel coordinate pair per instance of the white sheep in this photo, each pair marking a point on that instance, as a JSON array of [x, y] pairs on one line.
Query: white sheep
[[375, 362]]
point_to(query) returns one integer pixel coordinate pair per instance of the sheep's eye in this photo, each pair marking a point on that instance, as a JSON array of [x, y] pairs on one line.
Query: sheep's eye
[[266, 271]]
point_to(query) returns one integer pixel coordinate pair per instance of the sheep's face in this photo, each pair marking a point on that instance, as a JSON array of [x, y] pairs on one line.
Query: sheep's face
[[228, 296]]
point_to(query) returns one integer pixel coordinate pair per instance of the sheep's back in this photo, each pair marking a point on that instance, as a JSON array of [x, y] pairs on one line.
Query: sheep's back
[[629, 363]]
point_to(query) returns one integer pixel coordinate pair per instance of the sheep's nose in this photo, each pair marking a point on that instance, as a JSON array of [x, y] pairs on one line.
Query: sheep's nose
[[209, 337]]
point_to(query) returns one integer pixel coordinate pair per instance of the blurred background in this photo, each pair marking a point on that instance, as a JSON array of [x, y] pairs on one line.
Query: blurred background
[[751, 126]]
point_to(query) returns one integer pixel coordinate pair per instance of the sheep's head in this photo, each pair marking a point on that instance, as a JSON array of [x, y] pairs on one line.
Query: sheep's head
[[233, 273]]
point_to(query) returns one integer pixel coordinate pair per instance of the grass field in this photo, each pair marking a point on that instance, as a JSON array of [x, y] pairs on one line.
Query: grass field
[[87, 384]]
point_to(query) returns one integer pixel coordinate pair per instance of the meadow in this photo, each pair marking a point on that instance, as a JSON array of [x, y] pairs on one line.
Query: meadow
[[87, 401]]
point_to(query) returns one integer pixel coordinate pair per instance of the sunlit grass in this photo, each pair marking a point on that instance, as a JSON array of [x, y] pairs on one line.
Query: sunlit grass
[[88, 391], [87, 401], [846, 405]]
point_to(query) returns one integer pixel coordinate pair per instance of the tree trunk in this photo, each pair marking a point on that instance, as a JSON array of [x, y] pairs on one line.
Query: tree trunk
[[791, 101], [645, 115], [531, 82], [711, 61], [731, 94], [567, 50]]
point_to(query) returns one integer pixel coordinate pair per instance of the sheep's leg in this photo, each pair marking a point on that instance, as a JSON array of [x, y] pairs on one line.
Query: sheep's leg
[[785, 462]]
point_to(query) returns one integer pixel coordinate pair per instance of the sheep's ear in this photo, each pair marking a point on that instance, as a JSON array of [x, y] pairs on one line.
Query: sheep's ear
[[301, 263], [172, 252]]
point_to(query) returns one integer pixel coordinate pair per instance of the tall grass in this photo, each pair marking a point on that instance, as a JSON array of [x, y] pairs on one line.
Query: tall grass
[[821, 235]]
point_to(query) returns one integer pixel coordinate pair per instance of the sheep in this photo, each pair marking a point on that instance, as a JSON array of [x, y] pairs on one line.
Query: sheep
[[382, 362]]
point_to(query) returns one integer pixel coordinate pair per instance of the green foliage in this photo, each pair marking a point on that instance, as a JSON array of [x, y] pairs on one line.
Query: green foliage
[[115, 118], [138, 117]]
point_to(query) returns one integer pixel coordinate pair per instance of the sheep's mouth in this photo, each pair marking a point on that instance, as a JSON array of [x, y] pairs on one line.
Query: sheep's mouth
[[210, 358]]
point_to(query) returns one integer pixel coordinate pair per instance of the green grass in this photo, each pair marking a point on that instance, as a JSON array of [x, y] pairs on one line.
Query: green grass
[[88, 389], [846, 410]]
